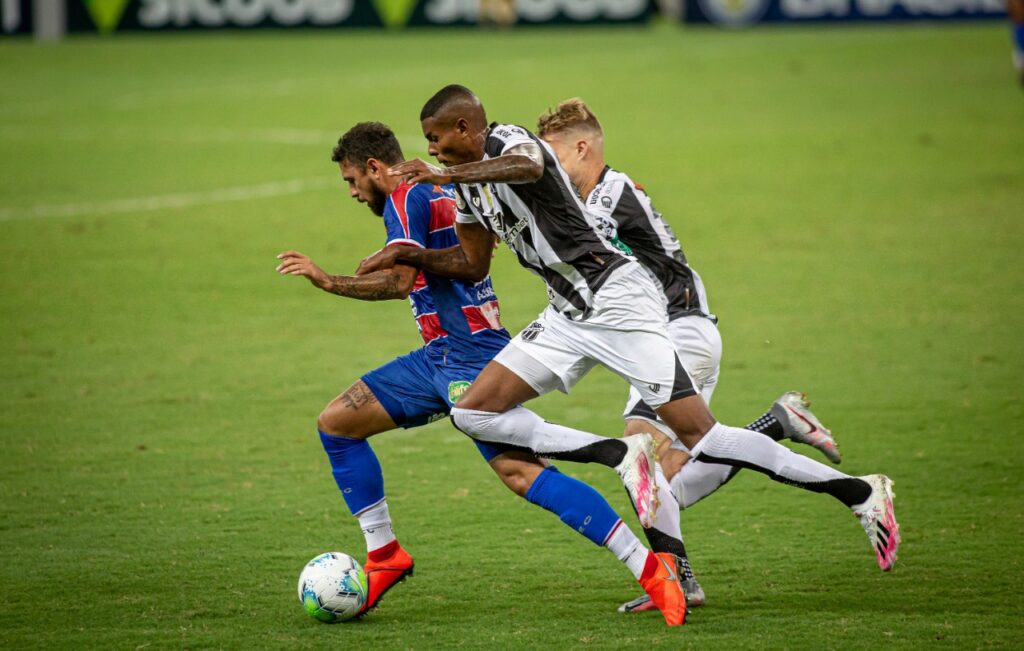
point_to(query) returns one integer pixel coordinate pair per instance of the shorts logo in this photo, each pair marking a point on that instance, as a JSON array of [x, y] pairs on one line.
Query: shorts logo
[[655, 388], [531, 331], [456, 389], [435, 417]]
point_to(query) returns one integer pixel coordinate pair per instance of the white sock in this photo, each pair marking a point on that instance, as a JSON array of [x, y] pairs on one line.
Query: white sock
[[521, 427], [667, 517], [757, 451], [696, 480], [375, 522], [628, 549]]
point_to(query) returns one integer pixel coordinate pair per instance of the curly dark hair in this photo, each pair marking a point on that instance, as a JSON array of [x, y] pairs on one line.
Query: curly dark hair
[[368, 140]]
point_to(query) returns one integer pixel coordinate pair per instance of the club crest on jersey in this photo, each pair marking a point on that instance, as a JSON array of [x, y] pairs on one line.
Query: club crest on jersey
[[606, 201], [531, 331], [460, 203], [456, 389]]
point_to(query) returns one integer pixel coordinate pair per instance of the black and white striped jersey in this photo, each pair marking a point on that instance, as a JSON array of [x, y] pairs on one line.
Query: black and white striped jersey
[[544, 223], [627, 218]]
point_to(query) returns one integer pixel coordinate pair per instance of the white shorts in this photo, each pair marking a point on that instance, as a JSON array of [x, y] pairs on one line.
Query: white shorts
[[626, 331], [699, 346]]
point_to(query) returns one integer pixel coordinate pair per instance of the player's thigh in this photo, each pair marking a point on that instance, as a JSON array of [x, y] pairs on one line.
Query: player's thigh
[[536, 361], [699, 347], [689, 418], [497, 389], [356, 413]]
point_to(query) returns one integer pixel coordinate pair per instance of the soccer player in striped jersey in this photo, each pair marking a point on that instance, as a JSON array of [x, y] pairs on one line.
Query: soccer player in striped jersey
[[461, 331], [603, 308], [626, 217]]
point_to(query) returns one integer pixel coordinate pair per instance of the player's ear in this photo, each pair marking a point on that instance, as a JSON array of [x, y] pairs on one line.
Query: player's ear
[[582, 148], [375, 168], [462, 126]]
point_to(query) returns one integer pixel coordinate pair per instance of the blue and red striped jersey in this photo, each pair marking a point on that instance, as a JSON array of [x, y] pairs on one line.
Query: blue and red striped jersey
[[459, 315]]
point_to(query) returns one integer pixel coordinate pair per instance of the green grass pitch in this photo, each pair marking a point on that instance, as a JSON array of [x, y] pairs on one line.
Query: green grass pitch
[[852, 197]]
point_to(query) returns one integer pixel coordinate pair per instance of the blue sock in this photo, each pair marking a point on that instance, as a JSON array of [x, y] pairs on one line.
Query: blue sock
[[577, 504], [356, 471]]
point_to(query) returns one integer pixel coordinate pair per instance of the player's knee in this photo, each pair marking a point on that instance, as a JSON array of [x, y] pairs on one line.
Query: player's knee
[[672, 461], [334, 422], [469, 420]]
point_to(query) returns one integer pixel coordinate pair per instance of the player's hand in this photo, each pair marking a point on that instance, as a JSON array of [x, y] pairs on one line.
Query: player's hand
[[383, 259], [296, 264], [418, 171]]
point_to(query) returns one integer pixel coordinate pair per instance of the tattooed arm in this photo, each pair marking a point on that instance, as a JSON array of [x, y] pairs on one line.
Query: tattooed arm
[[520, 164], [470, 260], [381, 285]]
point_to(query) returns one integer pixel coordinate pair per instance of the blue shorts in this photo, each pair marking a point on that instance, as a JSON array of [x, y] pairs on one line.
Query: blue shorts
[[421, 387]]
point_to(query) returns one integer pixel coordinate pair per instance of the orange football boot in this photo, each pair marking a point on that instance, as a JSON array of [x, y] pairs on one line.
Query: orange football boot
[[661, 581], [384, 568]]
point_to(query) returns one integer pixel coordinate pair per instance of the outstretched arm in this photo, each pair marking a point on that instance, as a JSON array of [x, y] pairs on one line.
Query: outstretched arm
[[470, 260], [520, 164], [382, 285]]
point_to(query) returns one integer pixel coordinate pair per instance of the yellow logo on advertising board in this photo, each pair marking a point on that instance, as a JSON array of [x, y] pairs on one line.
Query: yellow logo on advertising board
[[394, 13], [106, 13]]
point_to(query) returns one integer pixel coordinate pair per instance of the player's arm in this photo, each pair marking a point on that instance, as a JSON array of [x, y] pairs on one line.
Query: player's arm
[[384, 284], [523, 163], [469, 260]]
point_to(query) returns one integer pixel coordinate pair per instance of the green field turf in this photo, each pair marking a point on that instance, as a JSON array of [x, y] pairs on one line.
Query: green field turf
[[853, 199]]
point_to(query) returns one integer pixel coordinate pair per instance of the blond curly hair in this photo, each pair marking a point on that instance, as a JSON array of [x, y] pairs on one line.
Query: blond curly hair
[[569, 114]]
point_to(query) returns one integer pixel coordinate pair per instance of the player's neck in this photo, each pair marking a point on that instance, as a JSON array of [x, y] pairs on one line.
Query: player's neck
[[590, 176]]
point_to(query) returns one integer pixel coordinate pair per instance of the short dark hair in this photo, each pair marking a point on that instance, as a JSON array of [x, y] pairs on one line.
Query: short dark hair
[[368, 140], [444, 97]]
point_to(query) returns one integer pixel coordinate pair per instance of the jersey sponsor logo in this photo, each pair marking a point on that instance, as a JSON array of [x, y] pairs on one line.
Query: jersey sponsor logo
[[531, 331], [512, 234], [456, 389], [484, 292]]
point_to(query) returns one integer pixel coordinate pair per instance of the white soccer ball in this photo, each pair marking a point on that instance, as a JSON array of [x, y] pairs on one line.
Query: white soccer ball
[[332, 587]]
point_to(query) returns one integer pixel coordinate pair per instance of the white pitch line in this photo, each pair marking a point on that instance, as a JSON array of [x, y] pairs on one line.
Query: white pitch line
[[169, 201]]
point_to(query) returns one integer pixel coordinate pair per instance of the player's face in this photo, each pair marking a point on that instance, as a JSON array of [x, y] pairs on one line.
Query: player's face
[[567, 150], [450, 144], [363, 187]]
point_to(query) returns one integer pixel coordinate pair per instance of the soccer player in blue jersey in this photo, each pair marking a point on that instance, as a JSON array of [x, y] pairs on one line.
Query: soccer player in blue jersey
[[461, 330], [1015, 11]]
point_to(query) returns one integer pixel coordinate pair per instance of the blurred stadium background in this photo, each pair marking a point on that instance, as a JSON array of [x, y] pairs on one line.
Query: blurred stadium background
[[845, 174]]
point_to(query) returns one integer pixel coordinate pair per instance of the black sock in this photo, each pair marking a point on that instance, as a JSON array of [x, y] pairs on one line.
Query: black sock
[[609, 452], [660, 541], [769, 426]]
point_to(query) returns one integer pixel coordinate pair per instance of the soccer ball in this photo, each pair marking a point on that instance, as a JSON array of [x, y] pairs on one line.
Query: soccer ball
[[332, 587]]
